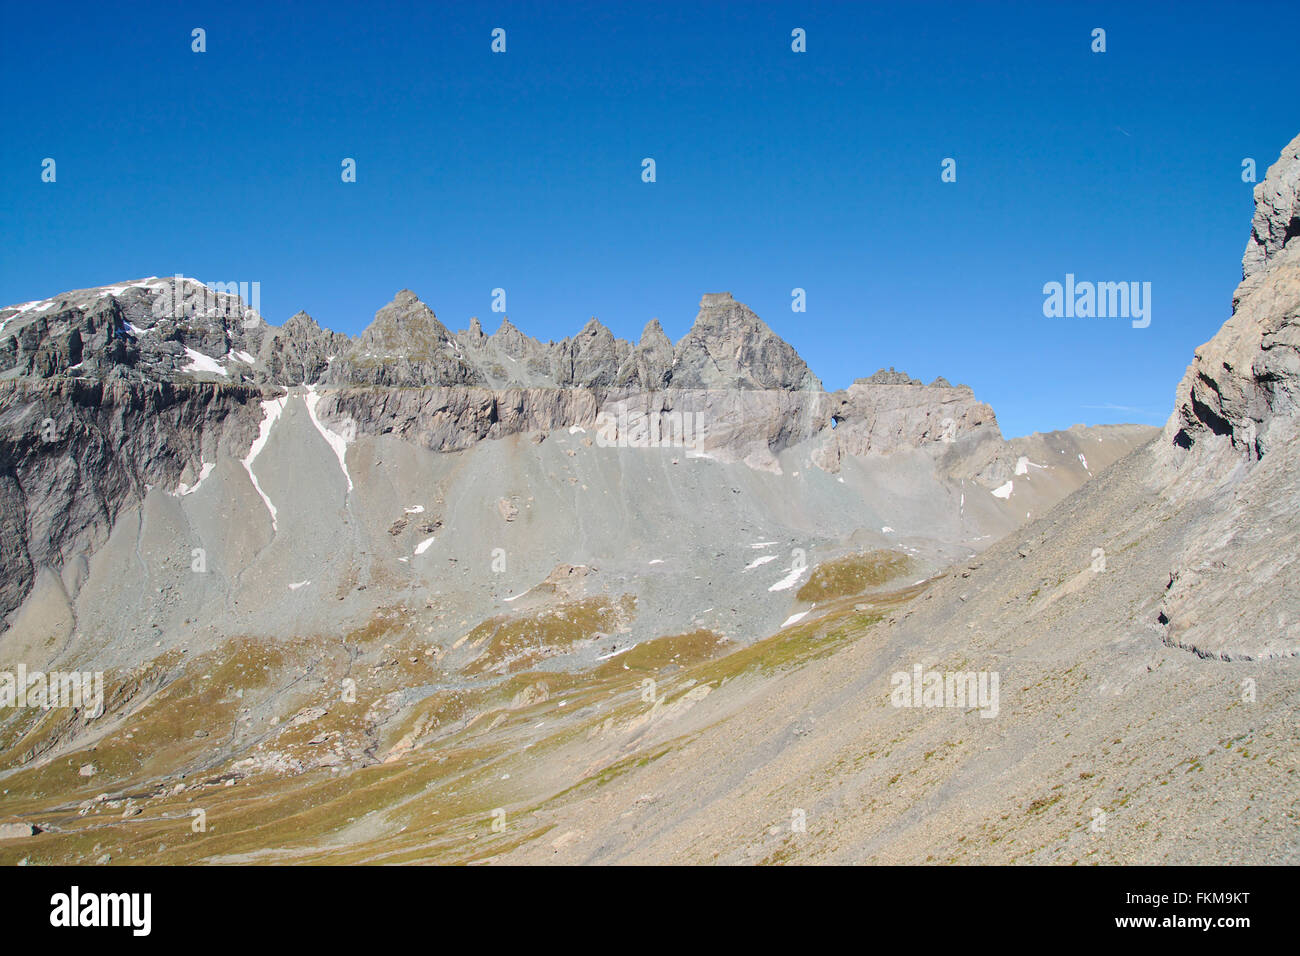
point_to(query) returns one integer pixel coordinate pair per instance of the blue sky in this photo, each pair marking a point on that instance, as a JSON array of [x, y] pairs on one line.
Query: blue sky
[[775, 170]]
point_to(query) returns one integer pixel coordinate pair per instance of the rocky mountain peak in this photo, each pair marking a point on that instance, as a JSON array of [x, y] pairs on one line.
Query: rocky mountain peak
[[405, 325], [888, 377], [300, 351], [716, 300], [653, 335], [595, 329], [515, 343], [729, 346], [301, 319], [405, 346], [592, 358]]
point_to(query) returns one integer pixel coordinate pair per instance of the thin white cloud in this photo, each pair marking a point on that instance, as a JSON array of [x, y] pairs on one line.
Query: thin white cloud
[[1127, 409]]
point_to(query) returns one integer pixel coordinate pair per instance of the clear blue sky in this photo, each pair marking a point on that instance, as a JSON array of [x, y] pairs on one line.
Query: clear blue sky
[[775, 170]]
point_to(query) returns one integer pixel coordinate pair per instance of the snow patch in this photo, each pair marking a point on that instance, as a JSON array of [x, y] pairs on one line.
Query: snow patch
[[27, 307], [202, 363], [299, 584], [789, 581], [40, 305], [760, 561], [795, 618], [270, 413], [423, 546], [336, 441], [415, 510], [184, 489], [1004, 491]]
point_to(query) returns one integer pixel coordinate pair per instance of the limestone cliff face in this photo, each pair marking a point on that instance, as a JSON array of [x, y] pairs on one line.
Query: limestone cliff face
[[454, 418], [1243, 386], [875, 418], [1277, 212], [75, 454], [746, 425]]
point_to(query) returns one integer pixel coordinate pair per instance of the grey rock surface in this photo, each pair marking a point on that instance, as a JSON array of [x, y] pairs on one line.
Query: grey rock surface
[[405, 346], [730, 347], [300, 351], [1229, 450], [1277, 211]]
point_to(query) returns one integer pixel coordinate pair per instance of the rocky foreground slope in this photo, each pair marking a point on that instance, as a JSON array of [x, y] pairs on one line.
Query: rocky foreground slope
[[403, 602]]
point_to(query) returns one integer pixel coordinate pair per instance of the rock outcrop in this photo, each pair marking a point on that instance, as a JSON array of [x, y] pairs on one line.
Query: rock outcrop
[[1277, 211], [875, 418], [1230, 447], [1244, 384]]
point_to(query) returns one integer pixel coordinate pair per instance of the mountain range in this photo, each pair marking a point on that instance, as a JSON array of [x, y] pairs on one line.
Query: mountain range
[[435, 596]]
